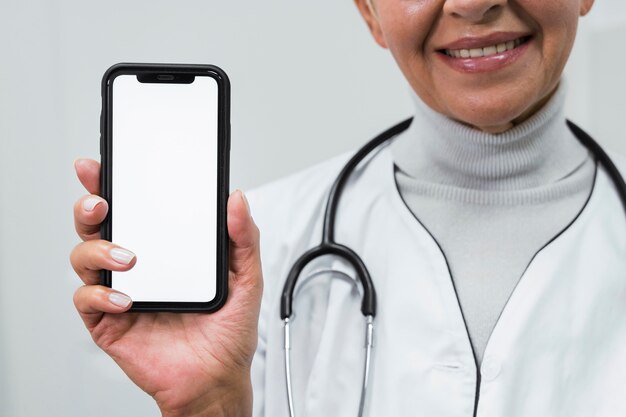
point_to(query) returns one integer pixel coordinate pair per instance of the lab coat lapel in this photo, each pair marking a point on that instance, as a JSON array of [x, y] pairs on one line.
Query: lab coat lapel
[[558, 339]]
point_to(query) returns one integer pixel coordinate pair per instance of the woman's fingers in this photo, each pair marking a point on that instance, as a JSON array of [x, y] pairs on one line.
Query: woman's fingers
[[92, 301], [89, 212], [88, 171], [88, 258]]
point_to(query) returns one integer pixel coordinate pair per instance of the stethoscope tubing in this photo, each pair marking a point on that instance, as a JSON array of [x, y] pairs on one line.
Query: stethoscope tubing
[[369, 346], [603, 158], [328, 244]]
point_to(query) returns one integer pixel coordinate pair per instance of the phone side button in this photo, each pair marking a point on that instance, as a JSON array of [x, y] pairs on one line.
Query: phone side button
[[228, 137], [101, 129]]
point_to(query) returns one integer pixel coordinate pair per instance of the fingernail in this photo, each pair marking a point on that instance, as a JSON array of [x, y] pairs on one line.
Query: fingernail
[[90, 203], [245, 200], [119, 299], [122, 256]]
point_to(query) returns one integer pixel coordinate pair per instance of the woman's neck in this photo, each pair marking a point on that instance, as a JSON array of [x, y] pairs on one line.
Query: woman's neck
[[534, 152]]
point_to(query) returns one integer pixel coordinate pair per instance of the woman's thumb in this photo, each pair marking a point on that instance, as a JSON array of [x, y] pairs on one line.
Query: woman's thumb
[[245, 260]]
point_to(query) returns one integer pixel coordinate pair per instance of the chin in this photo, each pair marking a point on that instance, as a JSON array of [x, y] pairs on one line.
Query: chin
[[493, 117]]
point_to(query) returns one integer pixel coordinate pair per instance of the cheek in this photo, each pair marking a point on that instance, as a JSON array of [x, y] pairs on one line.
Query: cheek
[[558, 22], [555, 20], [406, 24], [548, 10]]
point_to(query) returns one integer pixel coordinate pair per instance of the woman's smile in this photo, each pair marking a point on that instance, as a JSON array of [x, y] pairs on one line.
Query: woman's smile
[[484, 54]]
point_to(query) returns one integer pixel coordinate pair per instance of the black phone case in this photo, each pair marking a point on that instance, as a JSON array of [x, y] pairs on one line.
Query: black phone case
[[167, 71]]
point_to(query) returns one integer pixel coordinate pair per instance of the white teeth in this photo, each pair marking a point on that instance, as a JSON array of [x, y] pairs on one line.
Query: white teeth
[[490, 50], [476, 53], [486, 51]]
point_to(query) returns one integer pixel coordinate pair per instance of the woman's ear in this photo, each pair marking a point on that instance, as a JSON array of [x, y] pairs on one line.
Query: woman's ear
[[585, 6], [368, 11]]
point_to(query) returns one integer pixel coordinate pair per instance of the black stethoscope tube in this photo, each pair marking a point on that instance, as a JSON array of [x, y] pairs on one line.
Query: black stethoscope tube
[[603, 158], [328, 245]]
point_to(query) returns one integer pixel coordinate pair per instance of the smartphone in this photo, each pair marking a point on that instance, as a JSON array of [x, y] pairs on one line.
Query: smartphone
[[165, 143]]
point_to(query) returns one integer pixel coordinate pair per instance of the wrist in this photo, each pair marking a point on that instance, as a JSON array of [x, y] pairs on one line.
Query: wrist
[[227, 401]]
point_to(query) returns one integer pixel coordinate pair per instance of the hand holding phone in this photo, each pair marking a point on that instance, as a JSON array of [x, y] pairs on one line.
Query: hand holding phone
[[192, 363]]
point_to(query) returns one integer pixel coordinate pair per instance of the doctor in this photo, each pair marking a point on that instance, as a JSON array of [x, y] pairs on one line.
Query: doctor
[[495, 242]]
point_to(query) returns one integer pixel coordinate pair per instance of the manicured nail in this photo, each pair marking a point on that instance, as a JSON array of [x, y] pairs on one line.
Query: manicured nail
[[122, 256], [119, 299], [90, 203], [245, 200]]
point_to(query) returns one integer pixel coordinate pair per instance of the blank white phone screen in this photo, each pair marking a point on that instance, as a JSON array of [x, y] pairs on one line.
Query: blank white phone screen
[[164, 187]]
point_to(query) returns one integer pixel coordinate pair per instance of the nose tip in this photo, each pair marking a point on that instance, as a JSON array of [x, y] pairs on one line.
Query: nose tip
[[473, 10]]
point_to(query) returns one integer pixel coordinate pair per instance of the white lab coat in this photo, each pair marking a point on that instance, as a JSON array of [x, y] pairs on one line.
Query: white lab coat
[[558, 349]]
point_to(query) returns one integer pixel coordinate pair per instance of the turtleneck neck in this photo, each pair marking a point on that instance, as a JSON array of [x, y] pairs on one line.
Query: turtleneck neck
[[491, 201], [439, 151]]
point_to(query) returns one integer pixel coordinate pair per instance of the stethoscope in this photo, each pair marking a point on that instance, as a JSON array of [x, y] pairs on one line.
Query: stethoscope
[[330, 247]]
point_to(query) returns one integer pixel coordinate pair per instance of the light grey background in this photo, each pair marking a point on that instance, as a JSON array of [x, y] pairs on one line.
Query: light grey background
[[308, 83]]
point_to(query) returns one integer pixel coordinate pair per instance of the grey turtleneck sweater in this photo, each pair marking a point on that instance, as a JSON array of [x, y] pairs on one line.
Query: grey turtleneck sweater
[[492, 201]]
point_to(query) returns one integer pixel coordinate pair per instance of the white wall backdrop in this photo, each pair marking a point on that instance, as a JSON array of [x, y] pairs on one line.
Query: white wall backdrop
[[308, 83]]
